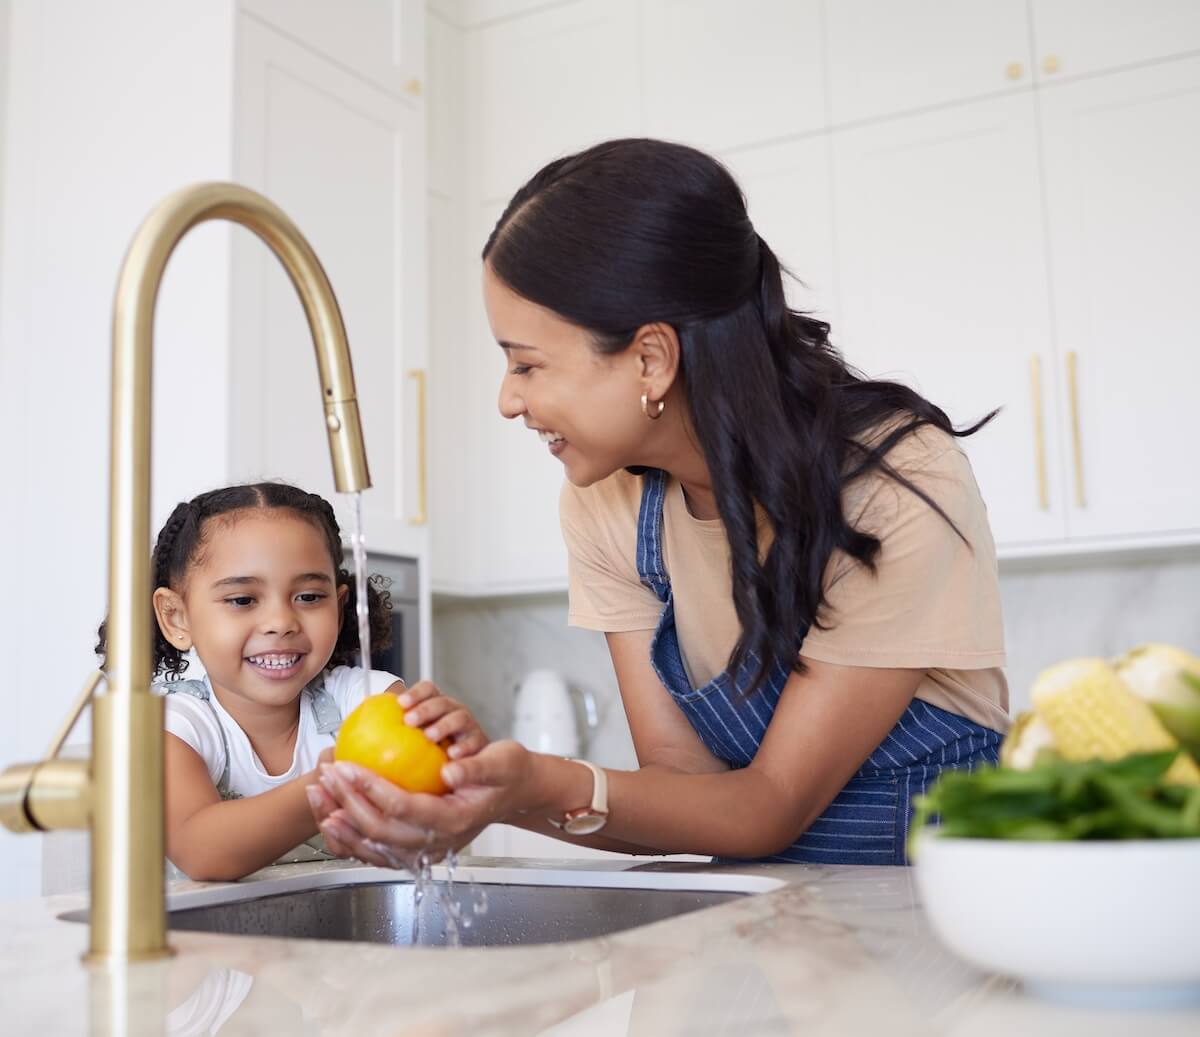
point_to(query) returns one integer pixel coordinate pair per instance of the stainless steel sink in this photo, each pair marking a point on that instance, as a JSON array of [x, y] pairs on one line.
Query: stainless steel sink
[[523, 905]]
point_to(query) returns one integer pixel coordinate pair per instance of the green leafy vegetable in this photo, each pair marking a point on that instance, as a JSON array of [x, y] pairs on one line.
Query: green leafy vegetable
[[1058, 800]]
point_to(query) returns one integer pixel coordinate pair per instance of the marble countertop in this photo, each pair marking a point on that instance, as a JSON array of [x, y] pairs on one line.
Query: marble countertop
[[834, 951]]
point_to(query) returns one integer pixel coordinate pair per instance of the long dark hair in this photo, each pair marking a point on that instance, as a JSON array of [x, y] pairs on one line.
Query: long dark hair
[[631, 232], [184, 534]]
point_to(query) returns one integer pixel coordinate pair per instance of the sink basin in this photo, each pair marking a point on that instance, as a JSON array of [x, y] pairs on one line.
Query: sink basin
[[524, 906]]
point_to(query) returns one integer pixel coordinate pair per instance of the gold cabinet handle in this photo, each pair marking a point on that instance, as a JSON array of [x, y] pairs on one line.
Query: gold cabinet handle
[[1076, 438], [1050, 64], [422, 515], [1015, 70], [1039, 432]]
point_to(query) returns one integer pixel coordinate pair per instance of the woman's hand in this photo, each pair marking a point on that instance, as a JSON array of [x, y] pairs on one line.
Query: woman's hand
[[365, 816], [441, 718]]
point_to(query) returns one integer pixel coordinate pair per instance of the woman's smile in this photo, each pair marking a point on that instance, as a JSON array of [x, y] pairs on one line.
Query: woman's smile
[[554, 440]]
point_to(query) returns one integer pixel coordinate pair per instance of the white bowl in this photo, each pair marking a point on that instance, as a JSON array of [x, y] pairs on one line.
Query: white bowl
[[1083, 922]]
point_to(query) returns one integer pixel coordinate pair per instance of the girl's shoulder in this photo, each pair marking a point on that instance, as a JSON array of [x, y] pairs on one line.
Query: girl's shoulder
[[196, 723]]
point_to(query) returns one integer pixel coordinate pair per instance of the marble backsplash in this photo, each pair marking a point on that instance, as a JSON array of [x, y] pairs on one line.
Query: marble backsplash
[[1052, 611]]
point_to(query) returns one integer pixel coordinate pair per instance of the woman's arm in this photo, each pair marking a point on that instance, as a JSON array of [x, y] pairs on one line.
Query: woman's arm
[[213, 840], [827, 722], [662, 737], [682, 799]]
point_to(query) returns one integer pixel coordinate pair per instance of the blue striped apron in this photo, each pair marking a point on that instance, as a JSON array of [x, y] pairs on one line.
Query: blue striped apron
[[867, 823]]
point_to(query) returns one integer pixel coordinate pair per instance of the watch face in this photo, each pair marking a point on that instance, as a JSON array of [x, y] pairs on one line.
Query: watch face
[[584, 824]]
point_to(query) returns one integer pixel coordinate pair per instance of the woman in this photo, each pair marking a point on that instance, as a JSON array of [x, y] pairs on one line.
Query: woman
[[792, 563]]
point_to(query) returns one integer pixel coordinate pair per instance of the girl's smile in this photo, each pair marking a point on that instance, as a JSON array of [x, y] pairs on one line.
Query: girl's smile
[[277, 666]]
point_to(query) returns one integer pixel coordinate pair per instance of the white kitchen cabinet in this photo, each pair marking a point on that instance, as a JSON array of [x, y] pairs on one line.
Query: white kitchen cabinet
[[545, 85], [1082, 37], [500, 531], [915, 209], [381, 41], [532, 93], [346, 160], [721, 75], [942, 283], [790, 201], [1122, 165], [891, 57]]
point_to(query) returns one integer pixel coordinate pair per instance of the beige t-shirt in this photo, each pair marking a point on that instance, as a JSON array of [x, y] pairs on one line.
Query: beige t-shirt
[[933, 602]]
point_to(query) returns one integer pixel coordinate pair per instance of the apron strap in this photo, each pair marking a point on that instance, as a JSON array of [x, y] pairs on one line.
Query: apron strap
[[325, 708], [201, 690], [649, 537]]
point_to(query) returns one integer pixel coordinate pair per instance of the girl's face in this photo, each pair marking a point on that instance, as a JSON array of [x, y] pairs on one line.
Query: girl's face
[[260, 607], [585, 405]]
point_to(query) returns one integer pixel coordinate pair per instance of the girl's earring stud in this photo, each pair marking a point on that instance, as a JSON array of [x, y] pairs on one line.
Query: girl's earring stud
[[655, 415]]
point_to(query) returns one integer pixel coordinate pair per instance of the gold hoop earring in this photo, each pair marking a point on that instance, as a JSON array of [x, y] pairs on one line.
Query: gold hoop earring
[[646, 408]]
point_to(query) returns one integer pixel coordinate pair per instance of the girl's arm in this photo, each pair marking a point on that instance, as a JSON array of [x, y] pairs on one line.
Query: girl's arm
[[827, 722], [213, 840]]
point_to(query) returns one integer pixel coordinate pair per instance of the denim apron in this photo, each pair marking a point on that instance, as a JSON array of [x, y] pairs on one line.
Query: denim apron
[[867, 823]]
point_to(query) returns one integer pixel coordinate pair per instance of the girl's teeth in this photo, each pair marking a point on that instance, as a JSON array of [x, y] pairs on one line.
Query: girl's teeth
[[549, 437], [275, 662]]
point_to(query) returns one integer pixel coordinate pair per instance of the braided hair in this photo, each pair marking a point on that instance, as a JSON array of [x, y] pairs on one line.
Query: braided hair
[[183, 537]]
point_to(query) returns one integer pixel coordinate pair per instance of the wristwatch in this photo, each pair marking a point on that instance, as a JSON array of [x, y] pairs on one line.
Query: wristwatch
[[589, 819]]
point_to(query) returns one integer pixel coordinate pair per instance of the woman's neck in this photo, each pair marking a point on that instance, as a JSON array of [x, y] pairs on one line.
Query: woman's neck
[[677, 452]]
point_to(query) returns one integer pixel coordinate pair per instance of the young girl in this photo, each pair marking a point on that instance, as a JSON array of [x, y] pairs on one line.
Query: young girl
[[791, 562], [250, 579]]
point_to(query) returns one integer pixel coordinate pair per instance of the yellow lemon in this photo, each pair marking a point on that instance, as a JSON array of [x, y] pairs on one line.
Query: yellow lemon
[[375, 736]]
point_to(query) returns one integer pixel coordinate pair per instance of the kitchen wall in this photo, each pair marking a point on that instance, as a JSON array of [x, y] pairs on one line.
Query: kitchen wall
[[1052, 611], [72, 199]]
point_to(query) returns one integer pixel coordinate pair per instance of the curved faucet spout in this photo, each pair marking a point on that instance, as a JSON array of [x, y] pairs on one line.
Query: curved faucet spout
[[123, 802], [129, 656]]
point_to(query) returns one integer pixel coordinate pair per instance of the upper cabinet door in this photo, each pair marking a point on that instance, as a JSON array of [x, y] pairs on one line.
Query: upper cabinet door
[[545, 85], [721, 75], [942, 284], [382, 41], [1078, 37], [346, 161], [1122, 162], [889, 57]]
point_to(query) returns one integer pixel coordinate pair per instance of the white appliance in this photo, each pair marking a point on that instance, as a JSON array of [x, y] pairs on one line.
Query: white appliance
[[547, 719]]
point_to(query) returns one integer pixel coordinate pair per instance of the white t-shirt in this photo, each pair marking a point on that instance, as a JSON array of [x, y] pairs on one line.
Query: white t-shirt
[[193, 721]]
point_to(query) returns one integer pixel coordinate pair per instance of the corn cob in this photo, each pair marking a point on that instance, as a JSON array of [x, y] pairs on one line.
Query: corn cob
[[1168, 678], [1094, 715], [1027, 738]]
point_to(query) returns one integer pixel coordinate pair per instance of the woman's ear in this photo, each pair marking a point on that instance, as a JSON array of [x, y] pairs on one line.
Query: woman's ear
[[656, 347], [171, 614]]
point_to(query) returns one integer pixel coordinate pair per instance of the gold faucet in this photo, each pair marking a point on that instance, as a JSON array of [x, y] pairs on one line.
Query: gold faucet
[[119, 792]]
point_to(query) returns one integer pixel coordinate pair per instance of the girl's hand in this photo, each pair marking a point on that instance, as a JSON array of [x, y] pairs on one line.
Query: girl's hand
[[441, 717], [365, 816]]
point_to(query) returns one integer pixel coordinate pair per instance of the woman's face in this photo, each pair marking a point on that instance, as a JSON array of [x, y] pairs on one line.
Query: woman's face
[[584, 404]]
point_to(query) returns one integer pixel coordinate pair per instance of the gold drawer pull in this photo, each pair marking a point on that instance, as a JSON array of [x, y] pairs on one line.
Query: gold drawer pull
[[1039, 432], [1076, 438], [422, 515]]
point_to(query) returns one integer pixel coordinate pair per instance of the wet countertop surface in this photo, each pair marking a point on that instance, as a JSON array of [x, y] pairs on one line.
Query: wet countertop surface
[[835, 950]]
